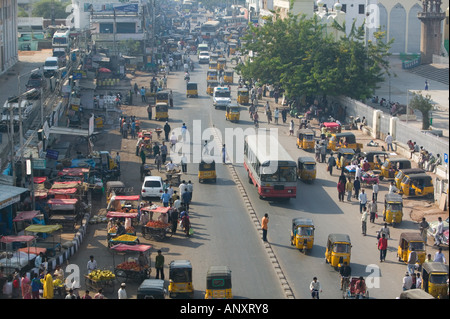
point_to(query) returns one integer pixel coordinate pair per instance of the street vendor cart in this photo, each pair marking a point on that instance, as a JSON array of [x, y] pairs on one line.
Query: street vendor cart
[[131, 269], [112, 228], [158, 226], [43, 231], [15, 257], [100, 279], [174, 177], [64, 211]]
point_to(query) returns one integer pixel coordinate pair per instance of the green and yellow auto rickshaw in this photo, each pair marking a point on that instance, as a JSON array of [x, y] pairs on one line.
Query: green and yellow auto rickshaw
[[232, 112], [375, 158], [228, 76], [242, 96], [338, 250], [210, 86], [344, 139], [305, 139], [218, 283], [391, 167], [409, 241], [435, 279], [417, 185], [162, 111], [213, 58], [213, 65], [306, 169], [211, 75], [162, 97], [191, 89], [180, 279], [302, 233], [207, 172], [233, 46], [393, 209], [401, 174], [221, 63]]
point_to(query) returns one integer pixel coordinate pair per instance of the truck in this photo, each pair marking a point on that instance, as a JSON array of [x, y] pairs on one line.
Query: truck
[[51, 66], [221, 97]]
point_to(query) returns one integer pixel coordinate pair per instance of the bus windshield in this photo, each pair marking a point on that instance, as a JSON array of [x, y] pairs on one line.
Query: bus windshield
[[283, 174]]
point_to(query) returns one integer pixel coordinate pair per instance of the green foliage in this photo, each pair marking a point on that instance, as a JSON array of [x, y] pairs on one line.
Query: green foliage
[[424, 105], [43, 8], [296, 53], [130, 47]]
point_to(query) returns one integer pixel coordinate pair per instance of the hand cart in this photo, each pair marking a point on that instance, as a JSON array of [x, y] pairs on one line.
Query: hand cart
[[131, 270], [159, 228]]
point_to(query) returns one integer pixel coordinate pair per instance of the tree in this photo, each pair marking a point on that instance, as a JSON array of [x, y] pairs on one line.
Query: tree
[[296, 53], [424, 105], [43, 8]]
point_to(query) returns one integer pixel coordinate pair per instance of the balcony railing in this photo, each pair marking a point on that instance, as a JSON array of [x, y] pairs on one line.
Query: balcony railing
[[119, 36]]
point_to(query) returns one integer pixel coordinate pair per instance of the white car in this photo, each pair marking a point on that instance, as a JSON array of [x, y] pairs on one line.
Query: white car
[[152, 187], [221, 97], [203, 57]]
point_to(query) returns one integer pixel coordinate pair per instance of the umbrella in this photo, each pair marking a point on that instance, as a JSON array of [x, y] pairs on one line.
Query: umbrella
[[104, 70]]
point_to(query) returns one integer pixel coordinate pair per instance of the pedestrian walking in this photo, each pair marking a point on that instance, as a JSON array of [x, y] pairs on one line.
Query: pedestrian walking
[[291, 132], [407, 282], [149, 111], [388, 140], [276, 115], [122, 293], [165, 198], [439, 257], [323, 152], [331, 164], [341, 190], [142, 155], [373, 210], [315, 288], [117, 160], [158, 162], [36, 285], [439, 232], [143, 98], [362, 201], [159, 265], [174, 214], [349, 189], [426, 85], [173, 141], [163, 150], [167, 130], [423, 227], [224, 154], [133, 129], [99, 294], [183, 132], [412, 259], [186, 198], [364, 217], [92, 264], [184, 164], [375, 189], [382, 247], [357, 187], [265, 222]]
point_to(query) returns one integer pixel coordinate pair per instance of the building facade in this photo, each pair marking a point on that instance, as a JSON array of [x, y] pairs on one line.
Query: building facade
[[8, 35]]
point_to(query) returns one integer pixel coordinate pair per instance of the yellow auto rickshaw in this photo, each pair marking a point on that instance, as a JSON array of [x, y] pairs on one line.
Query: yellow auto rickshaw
[[162, 111], [393, 209], [233, 47], [162, 96], [345, 139], [211, 75], [401, 173], [221, 63], [207, 172], [210, 86], [213, 65], [242, 96], [213, 57], [338, 250], [417, 185], [218, 283], [408, 242], [391, 167], [375, 159], [306, 168], [434, 279], [305, 139], [344, 157], [302, 233], [180, 279], [232, 112], [191, 89], [228, 76]]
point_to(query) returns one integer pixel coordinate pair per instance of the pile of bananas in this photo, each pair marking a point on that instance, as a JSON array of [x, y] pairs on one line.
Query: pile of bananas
[[98, 275]]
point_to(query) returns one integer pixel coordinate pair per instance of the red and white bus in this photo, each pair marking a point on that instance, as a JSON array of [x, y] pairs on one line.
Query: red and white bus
[[270, 168]]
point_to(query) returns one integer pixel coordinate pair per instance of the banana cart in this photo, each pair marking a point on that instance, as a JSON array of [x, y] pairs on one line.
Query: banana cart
[[158, 227], [100, 279], [130, 269]]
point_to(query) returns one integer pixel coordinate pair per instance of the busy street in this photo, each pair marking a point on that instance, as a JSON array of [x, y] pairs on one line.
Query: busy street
[[168, 188]]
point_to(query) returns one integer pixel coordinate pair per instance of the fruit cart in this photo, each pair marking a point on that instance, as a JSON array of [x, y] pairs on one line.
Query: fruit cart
[[112, 229], [158, 226], [126, 204], [100, 279], [369, 178], [123, 239], [130, 269]]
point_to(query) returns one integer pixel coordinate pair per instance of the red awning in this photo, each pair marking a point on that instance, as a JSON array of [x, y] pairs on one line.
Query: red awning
[[125, 247], [61, 201], [62, 191], [12, 239], [330, 124], [121, 214], [130, 197], [26, 215], [39, 180], [159, 209], [74, 171]]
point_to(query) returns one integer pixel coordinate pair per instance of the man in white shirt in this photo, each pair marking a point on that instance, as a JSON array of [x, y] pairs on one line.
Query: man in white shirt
[[315, 288], [407, 282], [388, 141], [182, 187], [92, 264], [439, 257], [362, 200], [392, 188], [122, 294], [439, 232], [358, 172], [375, 189]]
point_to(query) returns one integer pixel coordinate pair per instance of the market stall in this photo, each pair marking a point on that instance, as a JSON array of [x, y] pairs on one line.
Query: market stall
[[131, 269], [42, 232], [100, 279], [123, 217], [64, 211], [25, 217], [157, 227], [12, 257]]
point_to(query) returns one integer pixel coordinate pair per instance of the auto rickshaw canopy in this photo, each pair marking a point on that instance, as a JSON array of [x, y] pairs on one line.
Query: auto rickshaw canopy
[[228, 72], [348, 136], [302, 221], [305, 132], [204, 166], [305, 160], [233, 108], [218, 277], [242, 91], [346, 151], [162, 95], [400, 163], [191, 86], [161, 107], [371, 154], [427, 179], [153, 288], [180, 270], [409, 237], [415, 294], [436, 267], [410, 171], [393, 198], [339, 238]]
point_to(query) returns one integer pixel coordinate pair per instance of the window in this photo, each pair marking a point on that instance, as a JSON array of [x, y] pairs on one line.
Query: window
[[344, 8], [126, 27], [106, 28], [361, 9]]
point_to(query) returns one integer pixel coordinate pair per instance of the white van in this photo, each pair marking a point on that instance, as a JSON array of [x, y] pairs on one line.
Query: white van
[[152, 187], [51, 66], [221, 97]]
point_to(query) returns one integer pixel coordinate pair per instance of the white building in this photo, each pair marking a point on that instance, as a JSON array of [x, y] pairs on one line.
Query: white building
[[8, 35]]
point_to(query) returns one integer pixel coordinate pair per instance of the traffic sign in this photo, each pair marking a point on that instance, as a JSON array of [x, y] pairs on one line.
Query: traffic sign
[[445, 158]]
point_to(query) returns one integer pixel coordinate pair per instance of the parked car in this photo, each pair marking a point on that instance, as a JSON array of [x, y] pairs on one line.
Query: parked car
[[36, 81], [152, 187]]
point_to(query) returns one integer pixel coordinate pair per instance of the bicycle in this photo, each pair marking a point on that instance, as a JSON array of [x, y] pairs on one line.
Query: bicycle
[[345, 284]]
